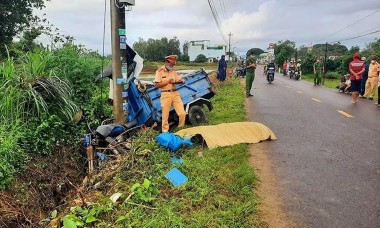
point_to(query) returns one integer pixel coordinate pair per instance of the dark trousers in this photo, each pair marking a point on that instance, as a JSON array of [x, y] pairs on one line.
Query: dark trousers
[[378, 94], [362, 86]]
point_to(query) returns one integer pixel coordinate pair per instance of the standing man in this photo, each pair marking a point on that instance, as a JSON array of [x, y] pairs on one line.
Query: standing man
[[365, 77], [284, 66], [165, 79], [222, 68], [318, 71], [373, 76], [250, 77], [357, 69]]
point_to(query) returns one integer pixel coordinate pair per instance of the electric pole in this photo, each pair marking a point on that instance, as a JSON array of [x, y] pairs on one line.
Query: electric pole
[[324, 66], [229, 46], [119, 58]]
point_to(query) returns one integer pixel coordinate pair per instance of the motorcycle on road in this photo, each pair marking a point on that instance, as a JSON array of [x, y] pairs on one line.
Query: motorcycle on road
[[270, 74]]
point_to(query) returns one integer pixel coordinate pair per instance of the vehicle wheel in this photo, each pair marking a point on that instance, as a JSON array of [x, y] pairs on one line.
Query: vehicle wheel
[[197, 116]]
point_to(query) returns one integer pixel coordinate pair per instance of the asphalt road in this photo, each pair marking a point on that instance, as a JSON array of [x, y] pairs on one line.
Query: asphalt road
[[327, 162]]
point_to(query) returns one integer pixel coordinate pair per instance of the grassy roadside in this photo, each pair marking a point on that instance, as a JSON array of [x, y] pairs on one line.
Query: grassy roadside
[[219, 191]]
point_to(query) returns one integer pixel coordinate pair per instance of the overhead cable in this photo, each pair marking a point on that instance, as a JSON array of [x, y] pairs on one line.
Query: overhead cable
[[349, 25], [216, 18], [351, 38]]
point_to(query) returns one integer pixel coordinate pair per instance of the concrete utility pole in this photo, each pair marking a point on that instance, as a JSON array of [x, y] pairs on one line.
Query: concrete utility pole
[[229, 46], [324, 66], [117, 22]]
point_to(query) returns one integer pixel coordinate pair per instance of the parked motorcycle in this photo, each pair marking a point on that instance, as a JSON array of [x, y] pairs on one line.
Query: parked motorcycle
[[270, 74]]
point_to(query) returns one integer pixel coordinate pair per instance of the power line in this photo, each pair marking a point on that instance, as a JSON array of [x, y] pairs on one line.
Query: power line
[[223, 7], [216, 18], [351, 38], [349, 25]]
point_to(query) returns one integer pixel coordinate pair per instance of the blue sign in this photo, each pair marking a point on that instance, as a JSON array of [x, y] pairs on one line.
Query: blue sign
[[123, 39], [120, 81]]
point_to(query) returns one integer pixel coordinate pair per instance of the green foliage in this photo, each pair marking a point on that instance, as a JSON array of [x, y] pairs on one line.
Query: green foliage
[[307, 63], [144, 192], [346, 59], [184, 58], [15, 16], [200, 59], [332, 65], [284, 50], [333, 75], [255, 51], [79, 67], [372, 49], [83, 216], [36, 89], [41, 135], [12, 157], [336, 49], [26, 44], [156, 50]]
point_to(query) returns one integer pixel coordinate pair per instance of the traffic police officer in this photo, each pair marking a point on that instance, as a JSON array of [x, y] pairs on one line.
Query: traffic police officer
[[165, 79]]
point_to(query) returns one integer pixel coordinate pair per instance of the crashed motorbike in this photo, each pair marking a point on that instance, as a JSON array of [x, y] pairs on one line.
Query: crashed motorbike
[[106, 139], [270, 74]]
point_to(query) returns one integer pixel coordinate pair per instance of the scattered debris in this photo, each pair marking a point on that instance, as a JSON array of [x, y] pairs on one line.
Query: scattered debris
[[176, 177]]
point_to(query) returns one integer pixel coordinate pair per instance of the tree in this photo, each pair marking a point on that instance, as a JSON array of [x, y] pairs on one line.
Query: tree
[[284, 50], [307, 62], [156, 50], [346, 59], [255, 51], [15, 15], [200, 59]]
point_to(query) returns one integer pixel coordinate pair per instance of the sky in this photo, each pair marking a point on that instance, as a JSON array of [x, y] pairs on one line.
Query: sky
[[252, 23]]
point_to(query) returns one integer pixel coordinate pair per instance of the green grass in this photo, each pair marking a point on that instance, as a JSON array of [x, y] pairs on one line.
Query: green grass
[[219, 192], [329, 83]]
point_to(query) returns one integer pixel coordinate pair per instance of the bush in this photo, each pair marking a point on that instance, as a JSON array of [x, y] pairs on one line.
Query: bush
[[201, 59], [42, 135], [333, 75], [307, 63], [12, 157]]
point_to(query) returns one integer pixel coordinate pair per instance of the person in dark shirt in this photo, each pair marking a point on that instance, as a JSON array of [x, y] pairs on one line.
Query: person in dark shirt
[[364, 79]]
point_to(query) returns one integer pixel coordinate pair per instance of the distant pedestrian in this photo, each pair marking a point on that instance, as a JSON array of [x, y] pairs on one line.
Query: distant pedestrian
[[318, 71], [373, 76], [250, 75], [222, 69], [365, 77], [284, 67], [357, 69], [287, 67]]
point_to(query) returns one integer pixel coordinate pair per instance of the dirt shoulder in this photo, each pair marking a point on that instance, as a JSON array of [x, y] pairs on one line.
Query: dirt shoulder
[[271, 210]]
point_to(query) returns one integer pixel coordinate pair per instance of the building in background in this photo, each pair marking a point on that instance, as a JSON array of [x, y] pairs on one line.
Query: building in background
[[198, 47]]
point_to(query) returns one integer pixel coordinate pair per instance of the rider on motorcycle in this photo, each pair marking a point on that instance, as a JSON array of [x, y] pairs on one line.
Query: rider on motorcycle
[[292, 69], [298, 67], [271, 66]]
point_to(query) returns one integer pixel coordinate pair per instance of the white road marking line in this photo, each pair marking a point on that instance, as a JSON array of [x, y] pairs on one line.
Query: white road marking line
[[288, 87], [314, 99], [299, 92], [345, 114]]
